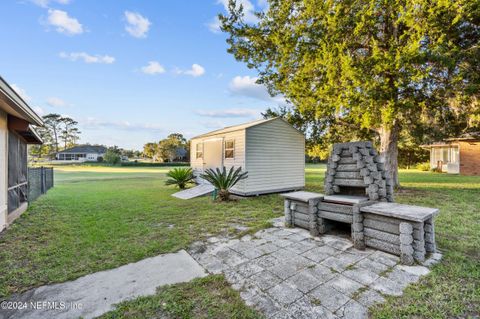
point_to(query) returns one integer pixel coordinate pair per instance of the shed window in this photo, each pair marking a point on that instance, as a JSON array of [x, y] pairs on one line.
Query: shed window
[[199, 150], [229, 148]]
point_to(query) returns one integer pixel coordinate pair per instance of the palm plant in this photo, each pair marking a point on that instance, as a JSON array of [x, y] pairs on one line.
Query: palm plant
[[223, 180], [180, 177]]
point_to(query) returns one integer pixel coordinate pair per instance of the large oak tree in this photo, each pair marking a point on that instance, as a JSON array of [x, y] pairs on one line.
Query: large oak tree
[[380, 65]]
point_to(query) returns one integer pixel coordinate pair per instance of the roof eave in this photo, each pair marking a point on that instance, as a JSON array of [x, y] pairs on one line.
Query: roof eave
[[19, 104]]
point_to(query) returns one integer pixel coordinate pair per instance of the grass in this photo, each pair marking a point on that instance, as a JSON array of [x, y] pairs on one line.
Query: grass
[[98, 218], [209, 297]]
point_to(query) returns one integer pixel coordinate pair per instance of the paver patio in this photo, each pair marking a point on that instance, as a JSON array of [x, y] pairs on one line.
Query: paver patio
[[286, 273]]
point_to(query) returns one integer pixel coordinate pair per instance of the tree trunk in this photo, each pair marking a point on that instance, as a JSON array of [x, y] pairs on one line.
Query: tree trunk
[[56, 139], [389, 150], [224, 195]]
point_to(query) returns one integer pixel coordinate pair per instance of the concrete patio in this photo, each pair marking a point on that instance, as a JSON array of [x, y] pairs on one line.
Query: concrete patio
[[286, 273]]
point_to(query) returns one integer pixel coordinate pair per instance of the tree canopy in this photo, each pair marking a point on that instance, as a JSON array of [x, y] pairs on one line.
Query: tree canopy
[[59, 132], [375, 66], [173, 147]]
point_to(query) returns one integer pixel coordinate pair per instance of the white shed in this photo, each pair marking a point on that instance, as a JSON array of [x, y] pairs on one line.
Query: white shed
[[272, 151]]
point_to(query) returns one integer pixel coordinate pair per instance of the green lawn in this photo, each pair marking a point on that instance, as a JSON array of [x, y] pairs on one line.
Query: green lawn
[[98, 218], [209, 297], [104, 217]]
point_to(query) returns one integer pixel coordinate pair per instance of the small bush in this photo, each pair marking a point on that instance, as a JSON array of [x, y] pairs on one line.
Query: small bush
[[112, 157], [180, 177], [424, 167], [223, 180]]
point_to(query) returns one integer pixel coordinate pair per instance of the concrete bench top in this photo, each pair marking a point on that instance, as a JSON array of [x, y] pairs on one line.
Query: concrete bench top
[[400, 211], [345, 199], [302, 196]]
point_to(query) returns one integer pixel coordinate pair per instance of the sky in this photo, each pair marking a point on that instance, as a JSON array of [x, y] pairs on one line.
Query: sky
[[131, 71]]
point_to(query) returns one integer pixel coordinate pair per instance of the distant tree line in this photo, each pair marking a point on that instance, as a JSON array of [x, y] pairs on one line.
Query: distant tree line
[[58, 133], [62, 132], [173, 148], [115, 154]]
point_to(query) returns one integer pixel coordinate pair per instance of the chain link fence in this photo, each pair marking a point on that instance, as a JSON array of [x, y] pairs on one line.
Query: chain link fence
[[40, 180]]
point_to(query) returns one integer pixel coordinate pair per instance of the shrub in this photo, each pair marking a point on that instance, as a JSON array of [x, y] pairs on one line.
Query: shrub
[[424, 167], [100, 159], [112, 157], [224, 181], [180, 176]]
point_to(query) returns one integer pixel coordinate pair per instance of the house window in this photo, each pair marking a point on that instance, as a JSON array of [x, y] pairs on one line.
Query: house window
[[199, 150], [229, 148]]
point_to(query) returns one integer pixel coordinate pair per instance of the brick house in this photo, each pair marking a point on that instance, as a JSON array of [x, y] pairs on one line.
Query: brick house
[[459, 155]]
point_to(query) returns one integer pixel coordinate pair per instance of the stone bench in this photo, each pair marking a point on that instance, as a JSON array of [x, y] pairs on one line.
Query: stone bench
[[404, 230], [301, 210]]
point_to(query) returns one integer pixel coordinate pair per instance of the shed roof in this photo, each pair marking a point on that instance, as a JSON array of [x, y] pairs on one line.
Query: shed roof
[[99, 149], [237, 127], [471, 136]]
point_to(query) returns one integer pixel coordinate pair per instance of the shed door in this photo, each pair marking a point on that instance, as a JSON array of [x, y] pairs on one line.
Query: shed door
[[212, 153]]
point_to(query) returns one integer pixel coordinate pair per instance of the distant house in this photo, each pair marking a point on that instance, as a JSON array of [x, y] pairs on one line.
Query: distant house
[[82, 153], [181, 153], [272, 151], [16, 118], [460, 155]]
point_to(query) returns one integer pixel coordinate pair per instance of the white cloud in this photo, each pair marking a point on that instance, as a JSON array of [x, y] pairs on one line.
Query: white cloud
[[214, 25], [153, 68], [87, 58], [229, 113], [137, 25], [63, 22], [94, 123], [248, 13], [45, 3], [248, 9], [38, 110], [247, 86], [23, 94], [212, 125], [195, 71], [56, 102]]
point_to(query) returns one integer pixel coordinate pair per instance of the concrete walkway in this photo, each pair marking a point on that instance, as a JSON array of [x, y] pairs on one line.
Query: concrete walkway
[[95, 294]]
